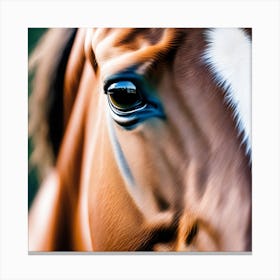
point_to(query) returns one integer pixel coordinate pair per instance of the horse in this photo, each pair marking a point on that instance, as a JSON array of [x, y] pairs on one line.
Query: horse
[[142, 139]]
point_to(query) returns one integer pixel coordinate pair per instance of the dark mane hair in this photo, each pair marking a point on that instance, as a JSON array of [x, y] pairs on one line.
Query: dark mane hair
[[47, 66]]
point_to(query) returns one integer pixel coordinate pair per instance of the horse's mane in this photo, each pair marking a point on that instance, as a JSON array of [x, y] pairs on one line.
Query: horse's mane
[[47, 66]]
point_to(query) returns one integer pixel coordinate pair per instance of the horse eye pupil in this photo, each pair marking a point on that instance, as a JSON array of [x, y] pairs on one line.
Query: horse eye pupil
[[123, 101], [123, 96]]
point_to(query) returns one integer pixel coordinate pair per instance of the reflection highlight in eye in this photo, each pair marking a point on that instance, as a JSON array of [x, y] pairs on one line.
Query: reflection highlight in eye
[[124, 96]]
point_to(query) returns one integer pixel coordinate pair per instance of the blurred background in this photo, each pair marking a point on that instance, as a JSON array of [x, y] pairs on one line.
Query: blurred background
[[34, 35]]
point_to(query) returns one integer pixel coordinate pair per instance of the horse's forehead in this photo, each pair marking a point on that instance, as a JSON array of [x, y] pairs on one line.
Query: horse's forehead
[[119, 48], [120, 40]]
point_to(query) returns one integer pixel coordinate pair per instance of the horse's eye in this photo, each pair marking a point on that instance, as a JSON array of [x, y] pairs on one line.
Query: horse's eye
[[124, 96]]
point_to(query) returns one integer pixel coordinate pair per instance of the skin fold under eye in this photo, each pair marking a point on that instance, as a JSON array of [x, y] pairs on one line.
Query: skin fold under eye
[[124, 96]]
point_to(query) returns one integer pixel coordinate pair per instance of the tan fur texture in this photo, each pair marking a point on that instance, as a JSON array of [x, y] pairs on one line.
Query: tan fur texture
[[192, 178]]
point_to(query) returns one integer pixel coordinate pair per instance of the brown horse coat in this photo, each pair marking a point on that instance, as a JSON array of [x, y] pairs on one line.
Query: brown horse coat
[[177, 183]]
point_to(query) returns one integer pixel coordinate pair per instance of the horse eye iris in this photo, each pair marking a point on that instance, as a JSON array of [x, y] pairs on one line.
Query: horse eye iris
[[123, 96]]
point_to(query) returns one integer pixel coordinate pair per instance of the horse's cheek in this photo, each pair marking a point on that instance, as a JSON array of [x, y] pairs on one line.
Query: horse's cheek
[[113, 219]]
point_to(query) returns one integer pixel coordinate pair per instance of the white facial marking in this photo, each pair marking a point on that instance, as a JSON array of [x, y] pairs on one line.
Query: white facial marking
[[229, 56]]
